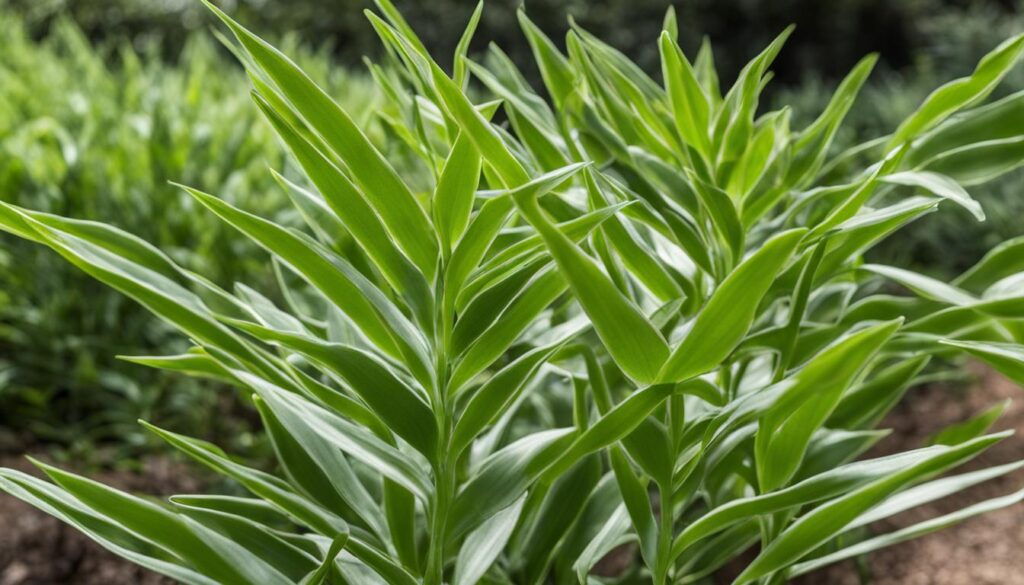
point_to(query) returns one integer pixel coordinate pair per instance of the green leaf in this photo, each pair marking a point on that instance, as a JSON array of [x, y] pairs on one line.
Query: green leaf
[[638, 504], [633, 342], [376, 317], [258, 539], [925, 286], [193, 363], [497, 394], [611, 534], [855, 195], [503, 478], [1008, 358], [486, 139], [910, 532], [813, 143], [931, 491], [993, 122], [471, 249], [634, 252], [723, 214], [163, 296], [817, 526], [864, 406], [961, 93], [264, 485], [482, 546], [611, 427], [359, 218], [535, 297], [735, 120], [704, 65], [375, 559], [971, 428], [554, 67], [526, 256], [255, 510], [562, 506], [940, 185], [459, 65], [453, 198], [689, 102], [784, 432], [112, 537], [728, 314], [215, 556], [979, 162], [322, 472], [821, 487], [399, 406], [1000, 262], [295, 413], [318, 576], [391, 198]]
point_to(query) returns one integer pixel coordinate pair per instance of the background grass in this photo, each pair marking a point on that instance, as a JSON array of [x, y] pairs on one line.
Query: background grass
[[97, 131]]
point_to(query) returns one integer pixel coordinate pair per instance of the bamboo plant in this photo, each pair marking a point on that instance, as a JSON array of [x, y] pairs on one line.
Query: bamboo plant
[[631, 313]]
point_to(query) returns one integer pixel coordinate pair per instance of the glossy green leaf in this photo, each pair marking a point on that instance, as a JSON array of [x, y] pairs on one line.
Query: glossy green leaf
[[453, 198], [482, 546], [402, 408], [728, 314], [784, 432], [689, 102], [826, 520], [1008, 358], [961, 93], [910, 532], [632, 340], [389, 195]]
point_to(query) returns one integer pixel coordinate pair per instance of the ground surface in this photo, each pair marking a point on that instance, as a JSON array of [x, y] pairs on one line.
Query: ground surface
[[989, 550], [37, 549], [986, 550]]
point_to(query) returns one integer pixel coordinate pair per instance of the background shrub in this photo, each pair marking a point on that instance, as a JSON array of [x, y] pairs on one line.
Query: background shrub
[[99, 133], [951, 42]]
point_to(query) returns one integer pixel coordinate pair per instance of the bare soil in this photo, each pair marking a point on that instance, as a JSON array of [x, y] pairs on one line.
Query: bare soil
[[36, 549], [985, 550]]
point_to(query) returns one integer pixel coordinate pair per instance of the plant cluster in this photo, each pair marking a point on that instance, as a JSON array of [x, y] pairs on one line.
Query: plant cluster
[[943, 244], [631, 313], [831, 36], [96, 133]]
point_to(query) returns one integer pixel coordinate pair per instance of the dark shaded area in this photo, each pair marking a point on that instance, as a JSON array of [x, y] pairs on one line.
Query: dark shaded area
[[830, 36]]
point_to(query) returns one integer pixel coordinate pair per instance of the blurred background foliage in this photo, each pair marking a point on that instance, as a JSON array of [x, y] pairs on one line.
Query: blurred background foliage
[[102, 102], [952, 38], [97, 130]]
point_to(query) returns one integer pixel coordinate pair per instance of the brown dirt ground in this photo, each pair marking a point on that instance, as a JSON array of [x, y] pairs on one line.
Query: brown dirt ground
[[36, 549], [985, 550]]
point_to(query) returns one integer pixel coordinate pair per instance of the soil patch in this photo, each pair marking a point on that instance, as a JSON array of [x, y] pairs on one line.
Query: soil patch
[[36, 549], [985, 550]]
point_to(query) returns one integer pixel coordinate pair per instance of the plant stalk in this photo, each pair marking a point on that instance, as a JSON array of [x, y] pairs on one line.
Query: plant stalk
[[444, 471]]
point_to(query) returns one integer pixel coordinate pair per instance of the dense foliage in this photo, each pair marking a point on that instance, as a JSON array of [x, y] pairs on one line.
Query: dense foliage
[[98, 133], [830, 36], [944, 244], [632, 312]]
